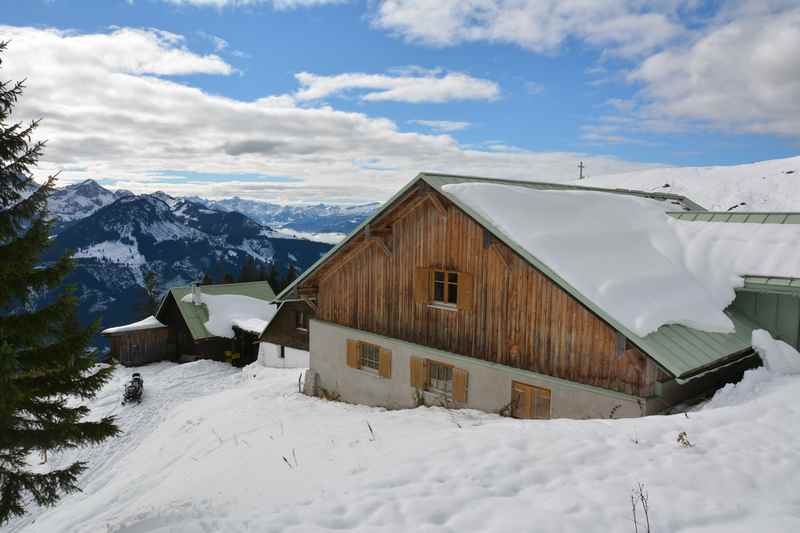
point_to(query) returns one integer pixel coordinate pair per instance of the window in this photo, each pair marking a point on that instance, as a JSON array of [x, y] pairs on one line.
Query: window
[[445, 287], [301, 320], [529, 401], [369, 356], [433, 376], [440, 378]]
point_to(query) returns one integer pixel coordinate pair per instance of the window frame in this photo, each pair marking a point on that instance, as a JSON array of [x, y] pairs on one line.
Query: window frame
[[446, 285], [301, 320], [375, 357], [447, 391]]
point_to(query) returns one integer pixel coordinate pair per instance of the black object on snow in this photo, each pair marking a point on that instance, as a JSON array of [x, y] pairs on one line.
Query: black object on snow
[[133, 389]]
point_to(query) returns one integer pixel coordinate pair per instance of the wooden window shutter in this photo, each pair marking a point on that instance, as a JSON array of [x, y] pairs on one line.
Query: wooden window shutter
[[353, 357], [419, 372], [422, 286], [460, 385], [465, 291], [541, 403], [385, 363]]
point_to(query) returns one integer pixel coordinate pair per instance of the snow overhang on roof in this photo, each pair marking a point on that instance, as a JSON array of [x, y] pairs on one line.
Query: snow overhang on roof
[[195, 316]]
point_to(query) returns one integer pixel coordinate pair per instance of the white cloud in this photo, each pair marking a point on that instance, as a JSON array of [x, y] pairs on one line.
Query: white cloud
[[218, 42], [442, 125], [423, 87], [107, 116], [742, 73], [625, 27]]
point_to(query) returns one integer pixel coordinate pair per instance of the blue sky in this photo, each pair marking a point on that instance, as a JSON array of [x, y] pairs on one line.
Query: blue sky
[[530, 92]]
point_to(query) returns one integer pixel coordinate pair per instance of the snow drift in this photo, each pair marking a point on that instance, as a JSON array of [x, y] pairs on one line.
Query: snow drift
[[213, 448]]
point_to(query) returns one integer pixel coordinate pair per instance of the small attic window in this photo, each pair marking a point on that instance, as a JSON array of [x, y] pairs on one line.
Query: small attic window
[[622, 344]]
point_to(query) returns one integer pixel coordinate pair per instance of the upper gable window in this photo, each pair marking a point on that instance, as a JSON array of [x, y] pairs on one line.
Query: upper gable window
[[445, 287]]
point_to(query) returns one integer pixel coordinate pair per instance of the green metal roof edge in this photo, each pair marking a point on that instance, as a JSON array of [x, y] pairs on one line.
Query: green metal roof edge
[[750, 217], [482, 362], [771, 284], [188, 311]]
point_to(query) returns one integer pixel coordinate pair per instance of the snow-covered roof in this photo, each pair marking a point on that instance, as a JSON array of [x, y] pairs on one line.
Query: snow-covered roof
[[625, 254], [150, 322], [228, 310], [223, 304]]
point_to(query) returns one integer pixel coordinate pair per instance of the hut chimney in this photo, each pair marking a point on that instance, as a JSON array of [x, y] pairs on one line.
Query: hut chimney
[[197, 294]]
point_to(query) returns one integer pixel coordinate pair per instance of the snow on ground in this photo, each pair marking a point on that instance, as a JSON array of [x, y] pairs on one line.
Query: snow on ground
[[228, 310], [147, 323], [763, 186], [212, 448], [624, 253], [114, 252]]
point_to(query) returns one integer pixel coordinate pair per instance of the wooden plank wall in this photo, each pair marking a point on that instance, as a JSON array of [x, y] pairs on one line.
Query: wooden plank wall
[[140, 347], [520, 318]]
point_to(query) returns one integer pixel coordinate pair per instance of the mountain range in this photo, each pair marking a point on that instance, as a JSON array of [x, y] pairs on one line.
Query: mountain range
[[117, 237]]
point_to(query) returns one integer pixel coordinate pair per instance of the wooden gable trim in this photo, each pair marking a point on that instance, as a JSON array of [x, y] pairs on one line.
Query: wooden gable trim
[[342, 261], [436, 200]]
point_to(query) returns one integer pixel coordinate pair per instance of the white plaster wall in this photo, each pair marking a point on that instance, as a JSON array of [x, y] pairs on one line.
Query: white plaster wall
[[489, 384]]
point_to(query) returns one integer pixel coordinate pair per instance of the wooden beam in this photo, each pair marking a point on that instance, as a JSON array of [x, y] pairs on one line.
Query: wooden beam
[[495, 247], [312, 305], [381, 244], [437, 203]]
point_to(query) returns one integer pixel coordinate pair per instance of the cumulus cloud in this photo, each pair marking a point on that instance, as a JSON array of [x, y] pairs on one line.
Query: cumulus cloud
[[116, 115], [625, 27], [414, 87], [442, 125], [742, 73]]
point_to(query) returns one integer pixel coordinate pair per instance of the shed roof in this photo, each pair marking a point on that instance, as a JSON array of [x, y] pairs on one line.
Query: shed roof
[[195, 316], [680, 350]]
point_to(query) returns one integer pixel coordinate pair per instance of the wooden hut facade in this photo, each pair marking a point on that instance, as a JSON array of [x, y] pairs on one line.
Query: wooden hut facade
[[139, 343]]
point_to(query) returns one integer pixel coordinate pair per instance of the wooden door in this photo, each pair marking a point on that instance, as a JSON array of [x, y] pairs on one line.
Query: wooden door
[[529, 401]]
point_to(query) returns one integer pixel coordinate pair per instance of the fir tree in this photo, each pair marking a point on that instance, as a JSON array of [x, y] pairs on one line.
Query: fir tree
[[228, 278], [149, 304], [273, 277], [249, 271], [291, 275], [43, 352], [207, 279]]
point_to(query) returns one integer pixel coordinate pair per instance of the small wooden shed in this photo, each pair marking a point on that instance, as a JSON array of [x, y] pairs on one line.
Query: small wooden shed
[[139, 343], [189, 337]]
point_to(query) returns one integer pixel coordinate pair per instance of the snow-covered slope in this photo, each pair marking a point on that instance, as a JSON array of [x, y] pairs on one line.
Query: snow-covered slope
[[212, 448], [763, 186], [80, 200]]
